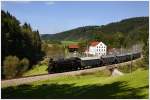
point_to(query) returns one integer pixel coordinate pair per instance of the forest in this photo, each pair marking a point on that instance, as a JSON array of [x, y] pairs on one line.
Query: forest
[[20, 45]]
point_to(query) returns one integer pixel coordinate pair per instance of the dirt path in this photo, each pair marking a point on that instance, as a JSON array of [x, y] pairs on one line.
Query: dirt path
[[13, 82]]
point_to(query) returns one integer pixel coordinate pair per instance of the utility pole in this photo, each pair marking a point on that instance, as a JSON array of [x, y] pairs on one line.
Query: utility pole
[[131, 59], [121, 49], [87, 50]]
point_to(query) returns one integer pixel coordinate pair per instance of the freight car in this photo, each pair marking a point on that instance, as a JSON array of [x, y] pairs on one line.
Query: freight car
[[136, 55], [123, 57], [108, 60], [76, 63], [91, 62]]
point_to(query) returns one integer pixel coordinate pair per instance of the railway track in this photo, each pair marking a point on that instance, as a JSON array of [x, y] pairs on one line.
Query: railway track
[[29, 79]]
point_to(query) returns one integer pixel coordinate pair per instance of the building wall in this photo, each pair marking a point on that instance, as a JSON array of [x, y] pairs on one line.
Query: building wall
[[92, 50], [98, 50]]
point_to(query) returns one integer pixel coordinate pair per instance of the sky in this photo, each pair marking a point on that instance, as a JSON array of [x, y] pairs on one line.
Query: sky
[[54, 17]]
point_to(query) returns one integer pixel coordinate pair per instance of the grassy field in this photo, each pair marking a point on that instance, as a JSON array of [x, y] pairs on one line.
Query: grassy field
[[93, 85], [69, 42], [37, 70]]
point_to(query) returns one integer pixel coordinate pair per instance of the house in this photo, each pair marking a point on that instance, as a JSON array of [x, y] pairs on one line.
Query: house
[[73, 47], [97, 49]]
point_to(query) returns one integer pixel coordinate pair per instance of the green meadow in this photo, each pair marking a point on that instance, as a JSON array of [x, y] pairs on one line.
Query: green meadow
[[37, 70], [93, 85], [69, 42]]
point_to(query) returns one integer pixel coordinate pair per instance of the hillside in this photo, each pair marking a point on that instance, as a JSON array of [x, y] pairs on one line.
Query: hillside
[[132, 85], [128, 27]]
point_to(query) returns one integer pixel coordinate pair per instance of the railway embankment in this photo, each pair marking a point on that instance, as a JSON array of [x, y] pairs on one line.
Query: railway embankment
[[28, 80]]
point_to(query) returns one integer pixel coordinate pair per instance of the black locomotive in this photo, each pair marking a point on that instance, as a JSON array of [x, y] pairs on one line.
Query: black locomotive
[[75, 63]]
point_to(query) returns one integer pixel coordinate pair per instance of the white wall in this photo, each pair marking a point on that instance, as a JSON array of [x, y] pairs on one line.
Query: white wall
[[98, 50]]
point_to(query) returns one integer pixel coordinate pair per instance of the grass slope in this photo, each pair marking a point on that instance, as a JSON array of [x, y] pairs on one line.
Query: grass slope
[[37, 70], [69, 42], [133, 85]]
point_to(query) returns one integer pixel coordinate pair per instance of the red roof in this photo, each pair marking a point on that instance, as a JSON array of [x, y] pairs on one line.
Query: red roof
[[94, 43], [73, 46]]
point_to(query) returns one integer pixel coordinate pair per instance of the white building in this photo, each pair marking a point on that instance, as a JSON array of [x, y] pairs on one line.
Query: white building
[[97, 49]]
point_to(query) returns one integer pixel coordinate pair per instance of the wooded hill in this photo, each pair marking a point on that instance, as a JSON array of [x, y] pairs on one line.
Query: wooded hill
[[21, 46], [130, 31]]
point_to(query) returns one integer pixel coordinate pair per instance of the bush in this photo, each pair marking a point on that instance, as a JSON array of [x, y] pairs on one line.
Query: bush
[[23, 66], [12, 67], [135, 65], [9, 66], [146, 55]]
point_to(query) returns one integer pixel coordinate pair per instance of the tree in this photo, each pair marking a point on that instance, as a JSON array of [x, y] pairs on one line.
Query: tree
[[83, 46], [10, 65], [20, 41], [119, 39], [146, 53]]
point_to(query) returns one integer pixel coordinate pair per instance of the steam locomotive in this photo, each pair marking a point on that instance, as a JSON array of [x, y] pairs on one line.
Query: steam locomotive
[[76, 63]]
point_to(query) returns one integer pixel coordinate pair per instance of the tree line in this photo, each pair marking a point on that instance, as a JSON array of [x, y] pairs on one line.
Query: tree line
[[20, 46]]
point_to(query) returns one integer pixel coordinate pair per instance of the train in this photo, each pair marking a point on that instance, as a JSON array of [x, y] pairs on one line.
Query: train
[[77, 63]]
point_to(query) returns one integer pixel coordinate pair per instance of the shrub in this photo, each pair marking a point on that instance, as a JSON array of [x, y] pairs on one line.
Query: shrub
[[130, 68], [23, 66], [9, 66], [12, 67]]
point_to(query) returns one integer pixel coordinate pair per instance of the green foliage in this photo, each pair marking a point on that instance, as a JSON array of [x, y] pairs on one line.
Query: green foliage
[[52, 42], [53, 50], [10, 66], [23, 66], [36, 70], [119, 39], [83, 46], [133, 66], [129, 86], [18, 40], [129, 30], [66, 43], [146, 54], [145, 38], [14, 67], [32, 44]]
